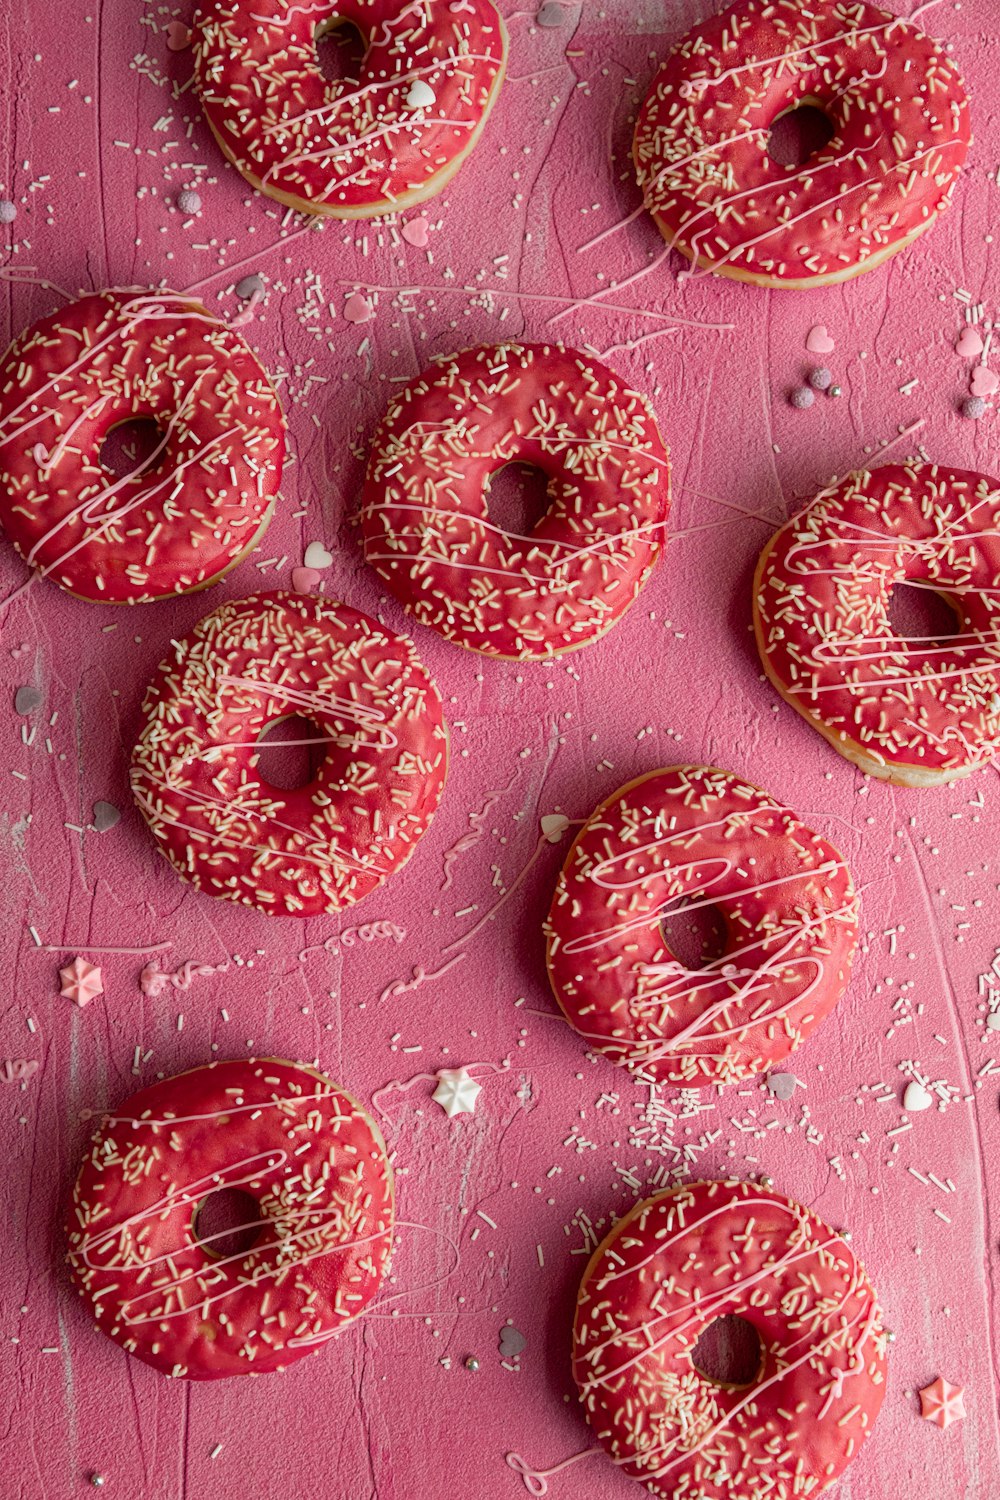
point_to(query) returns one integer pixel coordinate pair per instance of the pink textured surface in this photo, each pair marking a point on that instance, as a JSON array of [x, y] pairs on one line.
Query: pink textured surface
[[377, 1414]]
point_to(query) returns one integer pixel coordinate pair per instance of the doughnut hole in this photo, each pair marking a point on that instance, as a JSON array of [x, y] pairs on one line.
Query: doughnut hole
[[290, 753], [129, 448], [695, 935], [799, 134], [227, 1222], [517, 497], [729, 1353], [340, 51], [916, 612]]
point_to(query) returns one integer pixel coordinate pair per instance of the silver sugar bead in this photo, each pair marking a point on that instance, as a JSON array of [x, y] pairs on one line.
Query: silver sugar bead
[[472, 1363]]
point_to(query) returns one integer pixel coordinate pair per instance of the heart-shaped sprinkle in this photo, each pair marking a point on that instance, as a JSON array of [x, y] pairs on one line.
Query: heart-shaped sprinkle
[[553, 826], [178, 36], [106, 815], [984, 382], [551, 14], [993, 1020], [26, 700], [305, 580], [970, 345], [317, 556], [512, 1342], [818, 341], [250, 286], [414, 232], [916, 1098], [358, 309], [782, 1085], [420, 95]]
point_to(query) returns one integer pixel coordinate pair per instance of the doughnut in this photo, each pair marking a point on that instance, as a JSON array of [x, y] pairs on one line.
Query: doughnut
[[246, 667], [691, 837], [667, 1270], [916, 711], [356, 148], [204, 499], [287, 1137], [425, 504], [901, 131]]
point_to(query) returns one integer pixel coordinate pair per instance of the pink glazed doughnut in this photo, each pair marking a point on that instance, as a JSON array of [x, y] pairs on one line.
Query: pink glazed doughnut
[[915, 711], [901, 133], [430, 75], [667, 1270], [695, 836], [206, 496], [287, 1137], [316, 848], [425, 505]]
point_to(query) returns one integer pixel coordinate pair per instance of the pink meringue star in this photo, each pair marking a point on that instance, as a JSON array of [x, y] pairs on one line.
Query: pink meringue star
[[80, 982], [942, 1403]]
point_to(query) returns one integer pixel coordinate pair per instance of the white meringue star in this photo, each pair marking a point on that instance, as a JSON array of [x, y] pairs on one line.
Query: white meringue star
[[457, 1091]]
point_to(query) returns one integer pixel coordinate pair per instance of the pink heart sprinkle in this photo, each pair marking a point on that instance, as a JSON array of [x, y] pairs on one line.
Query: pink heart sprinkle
[[984, 381], [970, 345], [358, 309], [304, 580], [818, 341], [414, 232], [178, 36]]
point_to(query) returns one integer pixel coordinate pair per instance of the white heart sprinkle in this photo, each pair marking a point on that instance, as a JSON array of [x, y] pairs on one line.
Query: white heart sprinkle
[[106, 816], [782, 1085], [993, 1020], [554, 825], [420, 95], [317, 556], [512, 1342], [26, 699], [916, 1098]]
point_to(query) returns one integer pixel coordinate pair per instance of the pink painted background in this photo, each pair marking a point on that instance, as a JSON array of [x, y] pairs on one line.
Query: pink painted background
[[98, 133]]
